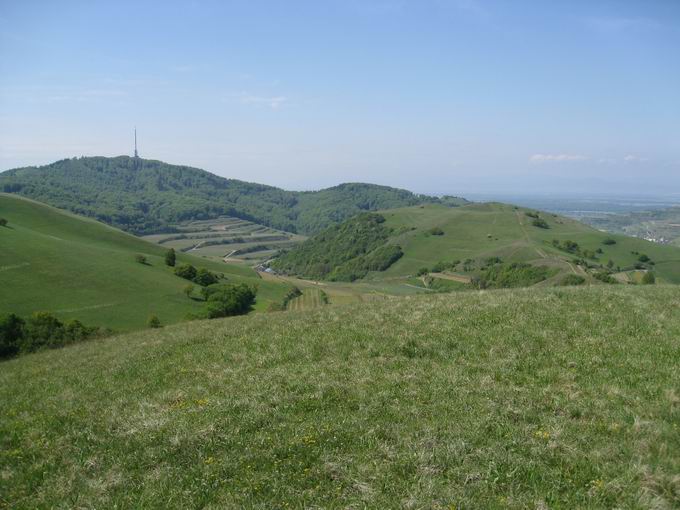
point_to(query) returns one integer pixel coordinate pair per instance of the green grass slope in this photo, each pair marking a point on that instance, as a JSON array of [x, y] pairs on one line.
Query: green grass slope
[[536, 398], [147, 196], [51, 260], [478, 232]]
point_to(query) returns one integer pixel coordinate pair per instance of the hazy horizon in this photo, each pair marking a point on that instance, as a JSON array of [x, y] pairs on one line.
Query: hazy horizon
[[439, 97]]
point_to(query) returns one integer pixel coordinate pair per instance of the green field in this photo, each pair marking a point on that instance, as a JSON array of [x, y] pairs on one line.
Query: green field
[[51, 260], [524, 398]]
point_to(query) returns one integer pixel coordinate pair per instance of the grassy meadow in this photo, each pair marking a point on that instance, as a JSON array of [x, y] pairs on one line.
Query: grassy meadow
[[479, 231], [523, 398], [52, 260]]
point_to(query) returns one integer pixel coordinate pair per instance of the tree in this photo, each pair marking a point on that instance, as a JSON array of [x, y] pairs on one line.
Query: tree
[[188, 290], [170, 257], [648, 278], [42, 330], [610, 263], [140, 258], [609, 241], [227, 300], [436, 231], [204, 277], [3, 222], [422, 271], [154, 322], [644, 258], [540, 223], [11, 333], [186, 271]]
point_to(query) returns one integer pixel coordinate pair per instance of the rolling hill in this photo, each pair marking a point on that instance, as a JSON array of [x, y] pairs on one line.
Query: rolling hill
[[468, 241], [75, 267], [147, 196], [522, 398]]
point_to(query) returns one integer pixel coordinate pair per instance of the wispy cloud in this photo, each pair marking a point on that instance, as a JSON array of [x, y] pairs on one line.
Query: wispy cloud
[[273, 102], [549, 158], [630, 158]]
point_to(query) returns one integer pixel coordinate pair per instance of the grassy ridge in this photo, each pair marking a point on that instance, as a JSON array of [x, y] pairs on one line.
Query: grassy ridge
[[499, 399], [78, 268], [480, 231]]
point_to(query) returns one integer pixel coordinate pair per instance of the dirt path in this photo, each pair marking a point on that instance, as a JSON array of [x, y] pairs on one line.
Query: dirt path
[[453, 277]]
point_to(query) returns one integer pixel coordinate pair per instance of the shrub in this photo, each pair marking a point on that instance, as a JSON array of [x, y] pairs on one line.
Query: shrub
[[188, 290], [648, 278], [604, 276], [436, 231], [186, 271], [540, 223], [512, 275], [228, 300], [141, 259], [11, 332], [422, 271], [170, 257], [532, 214], [609, 241], [3, 222], [572, 279], [644, 258], [204, 278], [154, 322]]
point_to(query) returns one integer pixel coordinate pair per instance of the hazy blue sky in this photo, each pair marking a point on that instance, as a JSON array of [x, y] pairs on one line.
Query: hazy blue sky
[[435, 96]]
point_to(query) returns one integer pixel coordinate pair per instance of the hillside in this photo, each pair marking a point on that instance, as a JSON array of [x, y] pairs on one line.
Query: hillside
[[496, 399], [146, 196], [481, 241], [76, 267]]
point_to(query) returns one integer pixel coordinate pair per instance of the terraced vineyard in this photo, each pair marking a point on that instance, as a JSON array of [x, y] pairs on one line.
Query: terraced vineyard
[[230, 239], [309, 300]]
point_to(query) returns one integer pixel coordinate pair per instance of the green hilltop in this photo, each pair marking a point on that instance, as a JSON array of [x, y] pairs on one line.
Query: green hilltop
[[476, 241], [523, 398], [147, 196], [75, 267]]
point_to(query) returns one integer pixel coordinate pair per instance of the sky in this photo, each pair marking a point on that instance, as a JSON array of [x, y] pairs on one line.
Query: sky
[[436, 96]]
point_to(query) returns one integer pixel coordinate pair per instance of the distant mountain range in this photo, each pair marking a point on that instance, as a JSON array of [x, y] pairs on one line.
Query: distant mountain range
[[147, 196]]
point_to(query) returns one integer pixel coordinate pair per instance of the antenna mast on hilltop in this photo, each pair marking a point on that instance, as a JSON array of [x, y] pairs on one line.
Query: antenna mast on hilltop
[[136, 154]]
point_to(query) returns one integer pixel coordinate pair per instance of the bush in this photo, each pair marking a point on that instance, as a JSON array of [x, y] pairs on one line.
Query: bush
[[188, 290], [648, 278], [572, 279], [228, 300], [436, 231], [532, 214], [140, 258], [154, 322], [11, 332], [422, 271], [517, 274], [204, 278], [604, 276], [170, 257], [609, 241], [644, 258], [41, 330], [3, 222], [186, 271], [540, 223]]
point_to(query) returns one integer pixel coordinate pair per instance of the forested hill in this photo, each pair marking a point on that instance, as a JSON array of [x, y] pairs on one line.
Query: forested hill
[[146, 196]]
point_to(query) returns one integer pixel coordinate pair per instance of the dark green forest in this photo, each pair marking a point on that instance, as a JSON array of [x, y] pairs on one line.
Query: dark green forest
[[146, 196], [344, 252]]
